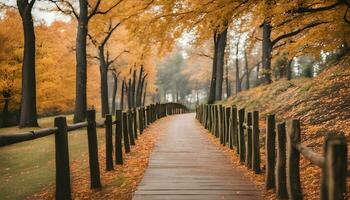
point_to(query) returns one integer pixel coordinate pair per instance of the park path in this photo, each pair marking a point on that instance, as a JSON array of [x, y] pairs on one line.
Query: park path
[[185, 165]]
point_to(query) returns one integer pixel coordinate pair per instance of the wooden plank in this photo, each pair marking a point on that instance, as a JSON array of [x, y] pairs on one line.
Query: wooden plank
[[186, 165]]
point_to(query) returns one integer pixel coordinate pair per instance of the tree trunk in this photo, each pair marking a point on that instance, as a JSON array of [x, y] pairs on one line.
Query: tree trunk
[[5, 110], [266, 52], [289, 69], [282, 72], [257, 74], [144, 95], [80, 54], [139, 89], [129, 89], [238, 80], [122, 96], [220, 64], [115, 89], [104, 82], [177, 96], [133, 89], [142, 89], [228, 89], [246, 70], [28, 103], [211, 98]]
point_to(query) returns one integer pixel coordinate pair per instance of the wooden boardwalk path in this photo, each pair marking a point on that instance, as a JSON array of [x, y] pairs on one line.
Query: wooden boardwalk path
[[186, 165]]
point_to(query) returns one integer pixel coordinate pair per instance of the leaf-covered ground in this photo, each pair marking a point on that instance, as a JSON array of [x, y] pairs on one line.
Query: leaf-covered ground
[[322, 104]]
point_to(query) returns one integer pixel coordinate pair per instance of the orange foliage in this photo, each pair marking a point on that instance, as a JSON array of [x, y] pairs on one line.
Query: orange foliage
[[55, 68]]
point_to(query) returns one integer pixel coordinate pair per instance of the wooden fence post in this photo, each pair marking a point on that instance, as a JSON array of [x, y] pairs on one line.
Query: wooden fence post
[[210, 118], [281, 187], [234, 120], [144, 116], [221, 124], [241, 142], [125, 133], [249, 141], [293, 159], [207, 111], [118, 137], [206, 115], [216, 133], [334, 171], [270, 152], [227, 126], [164, 109], [153, 113], [234, 128], [130, 128], [63, 188], [224, 136], [148, 111], [93, 150], [139, 119], [168, 109], [213, 126], [256, 143], [135, 122], [109, 142], [143, 120]]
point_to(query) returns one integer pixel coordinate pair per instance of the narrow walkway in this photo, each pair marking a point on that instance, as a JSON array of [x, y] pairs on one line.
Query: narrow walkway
[[186, 165]]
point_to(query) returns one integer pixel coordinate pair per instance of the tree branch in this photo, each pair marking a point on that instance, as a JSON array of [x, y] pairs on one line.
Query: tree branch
[[205, 55], [109, 33], [115, 58], [66, 12], [96, 10], [346, 16], [31, 4], [94, 42], [308, 9], [293, 33]]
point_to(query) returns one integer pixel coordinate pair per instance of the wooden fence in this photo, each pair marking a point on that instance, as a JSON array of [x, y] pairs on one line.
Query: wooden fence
[[128, 124], [240, 130]]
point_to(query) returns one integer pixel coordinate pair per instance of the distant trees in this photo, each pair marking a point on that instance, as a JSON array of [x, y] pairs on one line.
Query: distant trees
[[170, 78]]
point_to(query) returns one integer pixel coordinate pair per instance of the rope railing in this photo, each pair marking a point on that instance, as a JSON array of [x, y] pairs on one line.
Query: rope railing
[[283, 147], [128, 123]]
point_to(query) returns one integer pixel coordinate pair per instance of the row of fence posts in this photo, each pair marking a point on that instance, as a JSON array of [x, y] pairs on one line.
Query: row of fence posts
[[128, 124], [234, 129], [240, 129]]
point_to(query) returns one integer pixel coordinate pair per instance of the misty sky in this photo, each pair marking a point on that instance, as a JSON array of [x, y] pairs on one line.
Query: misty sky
[[39, 13]]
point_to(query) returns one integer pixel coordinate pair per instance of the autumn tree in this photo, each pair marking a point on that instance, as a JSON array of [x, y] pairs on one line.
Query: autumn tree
[[28, 106], [105, 62], [204, 19], [83, 14]]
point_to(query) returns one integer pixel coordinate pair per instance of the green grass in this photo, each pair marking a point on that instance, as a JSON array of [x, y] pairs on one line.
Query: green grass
[[29, 167]]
